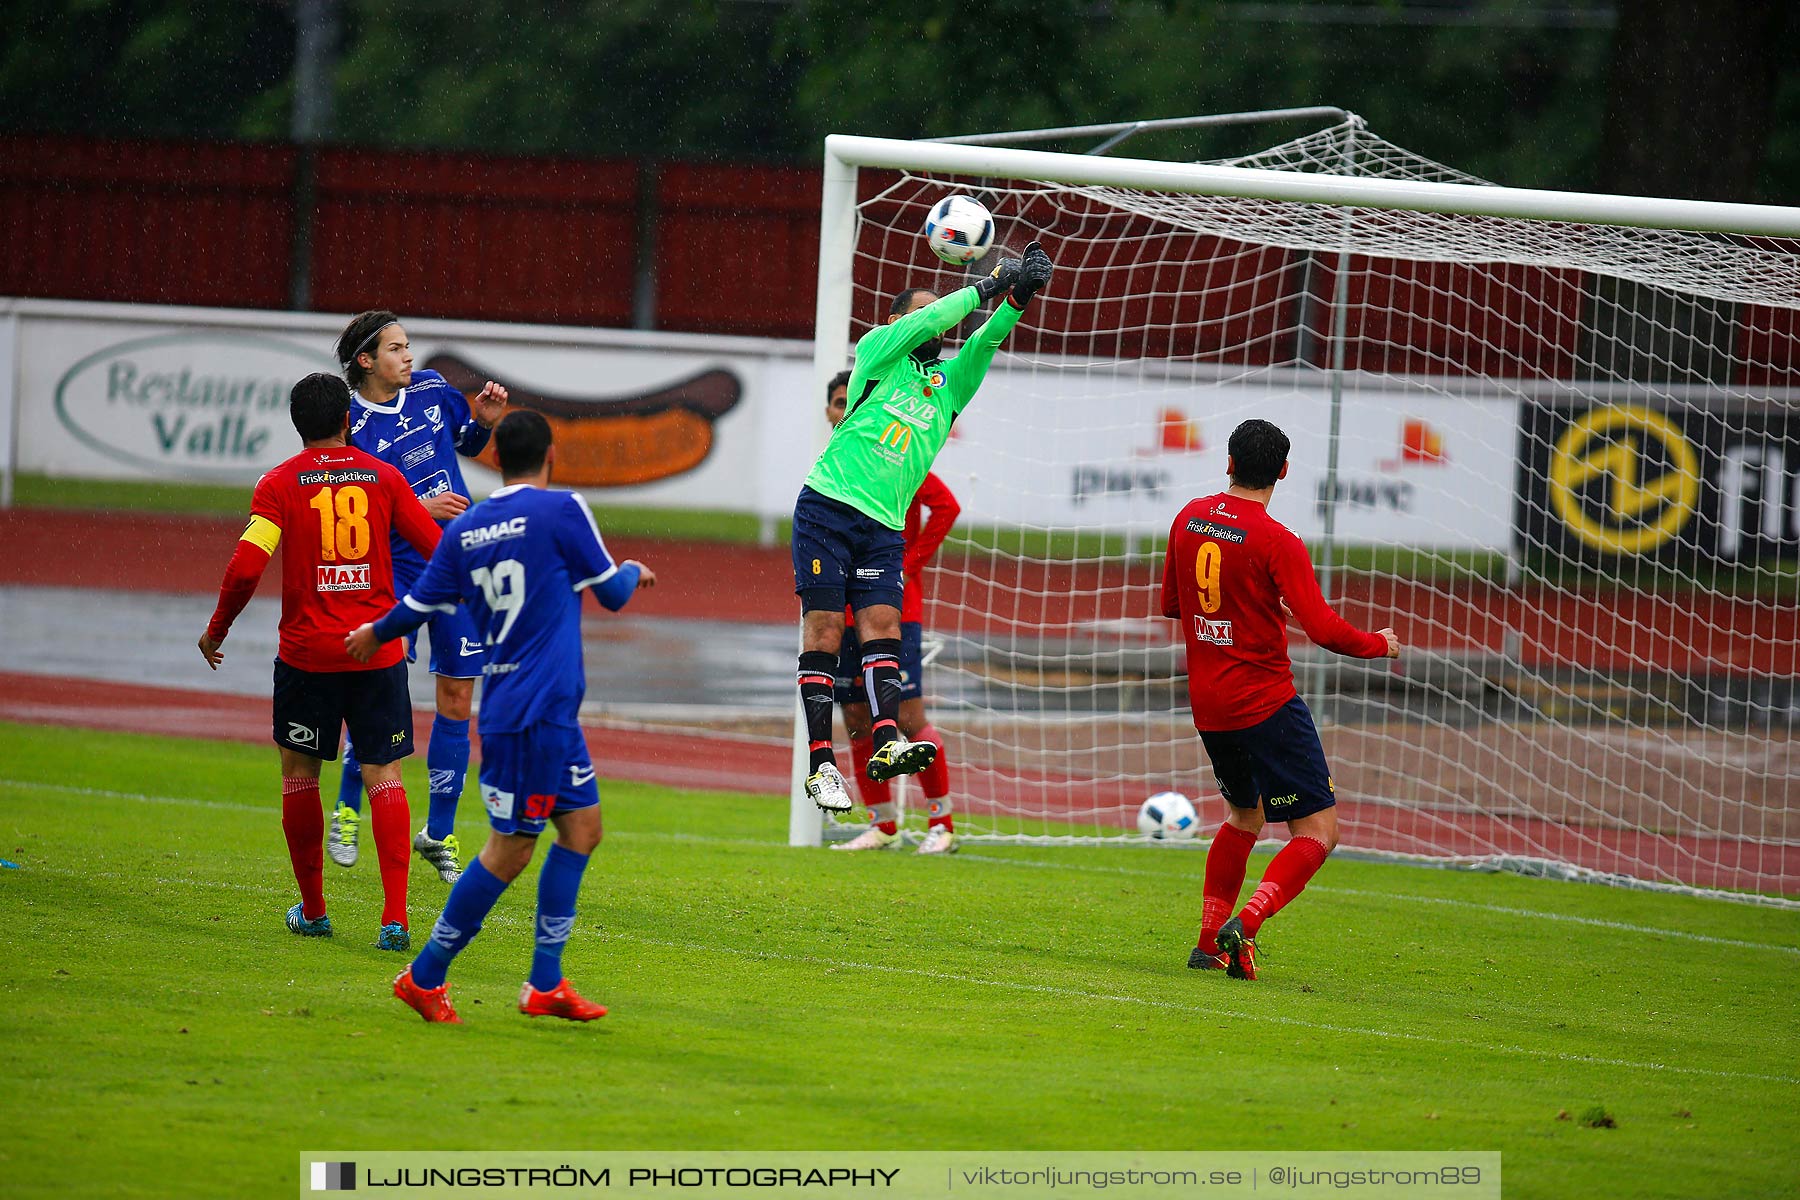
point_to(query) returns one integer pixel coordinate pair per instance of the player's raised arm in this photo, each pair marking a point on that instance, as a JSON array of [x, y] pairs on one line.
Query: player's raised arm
[[885, 345], [970, 366], [1299, 587], [476, 416], [256, 545]]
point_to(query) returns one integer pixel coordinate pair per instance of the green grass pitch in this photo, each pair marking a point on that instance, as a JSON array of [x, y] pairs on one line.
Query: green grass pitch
[[164, 1035]]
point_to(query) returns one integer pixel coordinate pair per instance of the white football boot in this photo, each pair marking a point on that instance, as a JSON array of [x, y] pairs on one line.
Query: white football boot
[[938, 840], [445, 857], [825, 787], [340, 844], [871, 838]]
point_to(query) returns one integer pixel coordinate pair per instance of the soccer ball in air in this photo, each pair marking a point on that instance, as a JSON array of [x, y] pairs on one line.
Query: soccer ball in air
[[959, 229], [1167, 817]]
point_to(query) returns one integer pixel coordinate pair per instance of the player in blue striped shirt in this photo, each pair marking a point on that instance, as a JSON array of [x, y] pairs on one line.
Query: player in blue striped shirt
[[419, 424], [520, 561]]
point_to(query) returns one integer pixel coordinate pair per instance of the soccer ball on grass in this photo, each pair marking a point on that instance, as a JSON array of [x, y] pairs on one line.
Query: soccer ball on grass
[[959, 229], [1167, 817]]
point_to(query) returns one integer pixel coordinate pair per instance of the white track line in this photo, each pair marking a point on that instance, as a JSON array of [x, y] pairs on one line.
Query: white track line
[[1503, 910], [1046, 989], [1258, 1015], [141, 797], [1086, 868]]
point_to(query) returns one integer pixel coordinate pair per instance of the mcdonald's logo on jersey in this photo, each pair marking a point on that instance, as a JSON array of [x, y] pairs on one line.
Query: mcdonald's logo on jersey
[[898, 435]]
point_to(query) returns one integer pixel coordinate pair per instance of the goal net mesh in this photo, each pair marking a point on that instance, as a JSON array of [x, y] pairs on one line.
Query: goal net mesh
[[1560, 459]]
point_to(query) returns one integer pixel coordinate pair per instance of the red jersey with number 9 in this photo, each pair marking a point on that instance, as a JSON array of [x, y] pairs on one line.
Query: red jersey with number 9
[[1229, 567], [331, 510]]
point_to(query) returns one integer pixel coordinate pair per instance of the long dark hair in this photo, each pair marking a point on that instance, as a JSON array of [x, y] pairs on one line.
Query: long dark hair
[[359, 336]]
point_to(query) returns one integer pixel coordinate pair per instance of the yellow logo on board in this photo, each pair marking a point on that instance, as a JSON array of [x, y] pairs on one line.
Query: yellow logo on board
[[1651, 473]]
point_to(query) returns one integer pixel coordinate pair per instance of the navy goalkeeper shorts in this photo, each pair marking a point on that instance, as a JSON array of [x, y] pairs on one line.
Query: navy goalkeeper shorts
[[842, 554]]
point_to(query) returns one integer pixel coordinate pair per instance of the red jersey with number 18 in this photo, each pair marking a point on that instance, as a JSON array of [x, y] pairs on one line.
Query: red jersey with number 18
[[330, 511], [1228, 568]]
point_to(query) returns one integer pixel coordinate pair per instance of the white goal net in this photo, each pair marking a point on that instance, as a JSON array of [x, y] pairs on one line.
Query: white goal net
[[1561, 457]]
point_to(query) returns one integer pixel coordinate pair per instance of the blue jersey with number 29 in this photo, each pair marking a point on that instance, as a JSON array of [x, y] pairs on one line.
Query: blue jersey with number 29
[[520, 561]]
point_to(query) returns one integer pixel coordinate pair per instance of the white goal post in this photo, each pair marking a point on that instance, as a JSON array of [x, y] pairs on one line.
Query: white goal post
[[1554, 434]]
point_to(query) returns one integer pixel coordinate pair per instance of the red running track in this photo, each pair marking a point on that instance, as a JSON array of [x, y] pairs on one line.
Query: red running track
[[1698, 632]]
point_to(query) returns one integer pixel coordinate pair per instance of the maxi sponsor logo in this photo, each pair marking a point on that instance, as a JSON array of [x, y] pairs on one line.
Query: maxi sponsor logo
[[1216, 632], [1679, 483], [347, 577], [180, 404]]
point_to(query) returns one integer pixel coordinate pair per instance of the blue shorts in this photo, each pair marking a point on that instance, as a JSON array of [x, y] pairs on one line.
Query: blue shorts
[[529, 776], [458, 646], [848, 680], [843, 555], [1278, 763]]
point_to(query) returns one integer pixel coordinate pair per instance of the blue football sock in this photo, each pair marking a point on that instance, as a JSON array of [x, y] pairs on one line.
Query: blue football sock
[[350, 785], [470, 902], [446, 766], [558, 884]]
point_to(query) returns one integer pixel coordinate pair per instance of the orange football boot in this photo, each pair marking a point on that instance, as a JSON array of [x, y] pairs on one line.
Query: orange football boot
[[560, 1001], [431, 1003]]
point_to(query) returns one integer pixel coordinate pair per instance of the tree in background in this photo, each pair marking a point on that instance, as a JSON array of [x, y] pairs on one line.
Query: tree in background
[[1657, 96], [1691, 100]]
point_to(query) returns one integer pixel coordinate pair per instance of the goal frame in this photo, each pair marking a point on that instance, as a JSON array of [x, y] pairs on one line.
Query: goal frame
[[846, 154]]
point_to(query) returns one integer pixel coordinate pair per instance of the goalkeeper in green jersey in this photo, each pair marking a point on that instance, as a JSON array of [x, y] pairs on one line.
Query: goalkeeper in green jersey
[[848, 541]]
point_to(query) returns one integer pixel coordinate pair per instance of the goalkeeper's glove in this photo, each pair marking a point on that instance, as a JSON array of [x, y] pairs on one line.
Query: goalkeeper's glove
[[1033, 274], [1002, 278]]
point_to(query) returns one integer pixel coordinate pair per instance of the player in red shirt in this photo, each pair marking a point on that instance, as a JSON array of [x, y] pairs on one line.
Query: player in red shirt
[[1232, 576], [923, 537], [329, 508]]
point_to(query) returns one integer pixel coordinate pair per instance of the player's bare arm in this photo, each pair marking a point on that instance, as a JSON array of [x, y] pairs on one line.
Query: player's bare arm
[[488, 406], [445, 506]]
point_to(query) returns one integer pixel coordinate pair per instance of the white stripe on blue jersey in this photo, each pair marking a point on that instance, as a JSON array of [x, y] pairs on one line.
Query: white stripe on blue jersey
[[421, 434], [515, 559]]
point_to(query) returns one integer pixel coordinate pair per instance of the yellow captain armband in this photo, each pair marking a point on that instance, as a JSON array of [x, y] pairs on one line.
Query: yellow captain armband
[[262, 533]]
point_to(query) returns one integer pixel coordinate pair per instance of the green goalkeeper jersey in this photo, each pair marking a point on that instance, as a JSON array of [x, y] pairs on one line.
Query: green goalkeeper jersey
[[899, 410]]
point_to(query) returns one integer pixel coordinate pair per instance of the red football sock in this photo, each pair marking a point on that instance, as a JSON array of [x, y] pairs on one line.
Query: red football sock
[[1225, 860], [873, 794], [1286, 878], [303, 821], [392, 826], [935, 779]]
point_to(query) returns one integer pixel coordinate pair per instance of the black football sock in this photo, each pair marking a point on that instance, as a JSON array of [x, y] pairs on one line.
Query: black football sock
[[816, 668], [881, 679]]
